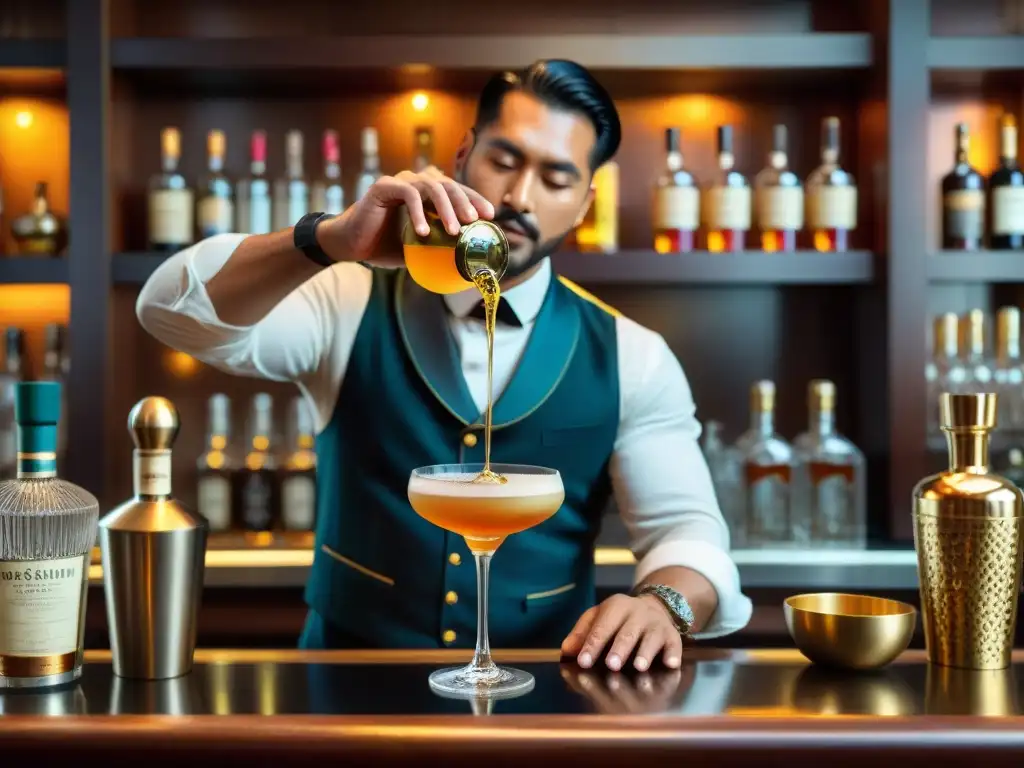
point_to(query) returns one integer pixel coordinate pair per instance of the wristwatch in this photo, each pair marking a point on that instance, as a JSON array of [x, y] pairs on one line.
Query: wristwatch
[[675, 604], [304, 237]]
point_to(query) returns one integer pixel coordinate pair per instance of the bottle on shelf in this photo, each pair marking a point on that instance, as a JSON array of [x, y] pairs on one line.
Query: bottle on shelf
[[371, 162], [944, 372], [1007, 373], [767, 462], [216, 466], [327, 193], [599, 230], [974, 343], [56, 366], [10, 376], [829, 483], [676, 202], [298, 470], [778, 198], [170, 199], [963, 200], [216, 208], [254, 208], [291, 193], [40, 232], [831, 195], [723, 465], [1007, 189], [256, 500], [1014, 469], [423, 149], [48, 529], [726, 201]]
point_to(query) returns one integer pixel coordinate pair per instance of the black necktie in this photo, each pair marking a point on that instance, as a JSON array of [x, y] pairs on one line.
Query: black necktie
[[506, 314]]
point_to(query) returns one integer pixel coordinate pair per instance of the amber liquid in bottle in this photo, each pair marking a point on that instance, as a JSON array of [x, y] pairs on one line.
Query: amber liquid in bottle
[[831, 195], [778, 198], [963, 200], [676, 202], [726, 204]]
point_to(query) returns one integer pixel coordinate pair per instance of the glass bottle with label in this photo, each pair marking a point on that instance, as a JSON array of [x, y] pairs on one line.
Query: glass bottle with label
[[254, 206], [298, 470], [676, 202], [216, 209], [778, 198], [963, 200], [599, 230], [974, 343], [256, 500], [767, 462], [40, 232], [47, 532], [726, 201], [1008, 375], [943, 373], [829, 484], [371, 163], [170, 199], [10, 375], [291, 193], [423, 149], [328, 194], [831, 195], [216, 466], [1007, 185], [723, 464]]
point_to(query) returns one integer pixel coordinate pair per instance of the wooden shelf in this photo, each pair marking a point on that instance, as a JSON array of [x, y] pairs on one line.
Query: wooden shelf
[[135, 268], [28, 269], [1004, 52], [41, 54], [976, 267]]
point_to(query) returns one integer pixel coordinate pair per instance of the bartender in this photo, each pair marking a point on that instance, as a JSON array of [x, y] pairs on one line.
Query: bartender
[[397, 377]]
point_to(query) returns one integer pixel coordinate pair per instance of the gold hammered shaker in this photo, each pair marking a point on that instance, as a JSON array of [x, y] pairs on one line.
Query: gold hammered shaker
[[967, 531]]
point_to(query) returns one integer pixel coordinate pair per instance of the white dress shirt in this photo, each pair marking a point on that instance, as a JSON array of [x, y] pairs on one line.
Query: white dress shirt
[[660, 479]]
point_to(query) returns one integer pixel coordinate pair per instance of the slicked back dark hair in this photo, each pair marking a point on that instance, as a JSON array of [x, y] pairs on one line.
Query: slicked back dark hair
[[564, 85]]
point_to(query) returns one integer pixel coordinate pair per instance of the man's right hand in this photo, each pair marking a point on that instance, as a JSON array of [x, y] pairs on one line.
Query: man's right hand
[[357, 234]]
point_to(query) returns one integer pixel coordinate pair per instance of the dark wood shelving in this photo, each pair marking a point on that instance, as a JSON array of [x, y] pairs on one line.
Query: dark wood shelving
[[134, 268], [1004, 52], [28, 269], [27, 53], [976, 267]]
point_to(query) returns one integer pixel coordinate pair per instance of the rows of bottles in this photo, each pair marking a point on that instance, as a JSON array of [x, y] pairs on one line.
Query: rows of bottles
[[262, 483], [811, 493], [977, 212], [56, 364]]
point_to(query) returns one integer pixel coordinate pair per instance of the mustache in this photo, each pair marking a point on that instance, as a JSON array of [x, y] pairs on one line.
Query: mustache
[[507, 214]]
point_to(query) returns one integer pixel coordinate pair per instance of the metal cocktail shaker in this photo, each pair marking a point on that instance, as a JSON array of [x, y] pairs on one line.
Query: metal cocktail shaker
[[154, 552], [968, 535]]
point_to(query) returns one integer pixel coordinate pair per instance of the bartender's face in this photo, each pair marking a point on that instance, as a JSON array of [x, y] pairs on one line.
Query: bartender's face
[[533, 165]]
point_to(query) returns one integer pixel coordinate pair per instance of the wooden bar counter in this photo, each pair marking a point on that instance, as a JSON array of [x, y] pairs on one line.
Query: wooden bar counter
[[356, 708]]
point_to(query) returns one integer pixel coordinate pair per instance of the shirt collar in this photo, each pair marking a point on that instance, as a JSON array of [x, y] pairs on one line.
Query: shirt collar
[[525, 299]]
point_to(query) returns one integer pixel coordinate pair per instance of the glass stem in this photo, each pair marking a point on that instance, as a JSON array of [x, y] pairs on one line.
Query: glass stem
[[482, 657]]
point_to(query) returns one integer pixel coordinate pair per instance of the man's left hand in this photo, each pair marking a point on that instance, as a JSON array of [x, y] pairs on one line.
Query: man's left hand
[[640, 623]]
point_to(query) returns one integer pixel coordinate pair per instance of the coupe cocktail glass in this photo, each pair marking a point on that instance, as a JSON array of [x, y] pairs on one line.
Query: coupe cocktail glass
[[484, 513]]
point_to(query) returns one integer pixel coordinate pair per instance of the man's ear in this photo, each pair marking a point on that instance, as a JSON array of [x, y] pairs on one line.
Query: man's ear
[[462, 153], [587, 202]]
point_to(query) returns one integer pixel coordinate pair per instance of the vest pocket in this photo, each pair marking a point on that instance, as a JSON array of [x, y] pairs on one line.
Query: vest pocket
[[541, 601], [357, 567]]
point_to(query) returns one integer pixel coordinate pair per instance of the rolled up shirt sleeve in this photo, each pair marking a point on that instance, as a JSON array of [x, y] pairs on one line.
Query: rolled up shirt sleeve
[[661, 482]]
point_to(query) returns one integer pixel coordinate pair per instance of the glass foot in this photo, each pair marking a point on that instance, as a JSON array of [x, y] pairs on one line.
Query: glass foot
[[492, 682]]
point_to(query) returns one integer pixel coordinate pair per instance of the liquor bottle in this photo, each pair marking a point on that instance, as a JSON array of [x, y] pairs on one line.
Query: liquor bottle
[[831, 195], [599, 230], [216, 466], [327, 192], [963, 200], [945, 371], [371, 163], [974, 343], [216, 209], [170, 199], [726, 202], [56, 366], [1007, 373], [723, 465], [444, 263], [767, 462], [254, 192], [423, 149], [291, 193], [48, 530], [298, 470], [40, 232], [829, 484], [676, 202], [256, 499], [1007, 185], [10, 376], [778, 198], [1014, 469]]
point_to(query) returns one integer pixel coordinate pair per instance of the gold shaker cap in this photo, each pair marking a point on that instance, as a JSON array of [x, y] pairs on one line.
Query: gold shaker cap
[[480, 245], [762, 396], [967, 413], [154, 424]]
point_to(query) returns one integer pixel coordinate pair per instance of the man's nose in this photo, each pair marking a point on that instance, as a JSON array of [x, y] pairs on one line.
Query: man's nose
[[520, 196]]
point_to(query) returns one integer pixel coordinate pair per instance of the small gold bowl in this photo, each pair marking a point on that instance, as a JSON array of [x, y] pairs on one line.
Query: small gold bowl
[[849, 631]]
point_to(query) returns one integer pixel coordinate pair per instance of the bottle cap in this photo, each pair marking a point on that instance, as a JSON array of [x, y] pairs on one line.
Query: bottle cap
[[481, 244], [37, 403], [967, 413], [821, 394], [762, 396], [154, 424]]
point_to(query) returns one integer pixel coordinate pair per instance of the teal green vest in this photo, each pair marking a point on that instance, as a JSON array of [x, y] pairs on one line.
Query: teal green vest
[[387, 578]]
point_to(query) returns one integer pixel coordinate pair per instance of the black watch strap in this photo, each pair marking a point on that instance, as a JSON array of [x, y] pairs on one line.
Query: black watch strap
[[304, 237]]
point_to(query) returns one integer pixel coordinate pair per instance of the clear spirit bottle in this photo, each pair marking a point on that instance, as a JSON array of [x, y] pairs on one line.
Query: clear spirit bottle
[[170, 199], [723, 465], [943, 373], [778, 198], [676, 202], [831, 195], [291, 193], [371, 163], [216, 465], [767, 467], [47, 531], [974, 343], [298, 470], [1008, 376], [216, 209], [254, 208], [256, 499], [829, 483], [327, 193]]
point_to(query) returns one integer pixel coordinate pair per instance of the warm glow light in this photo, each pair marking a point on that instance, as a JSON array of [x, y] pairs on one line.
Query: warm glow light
[[23, 119], [180, 364], [420, 101]]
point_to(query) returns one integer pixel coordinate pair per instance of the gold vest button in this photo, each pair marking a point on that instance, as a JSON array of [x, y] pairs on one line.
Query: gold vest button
[[455, 558], [448, 636], [451, 598], [469, 440]]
